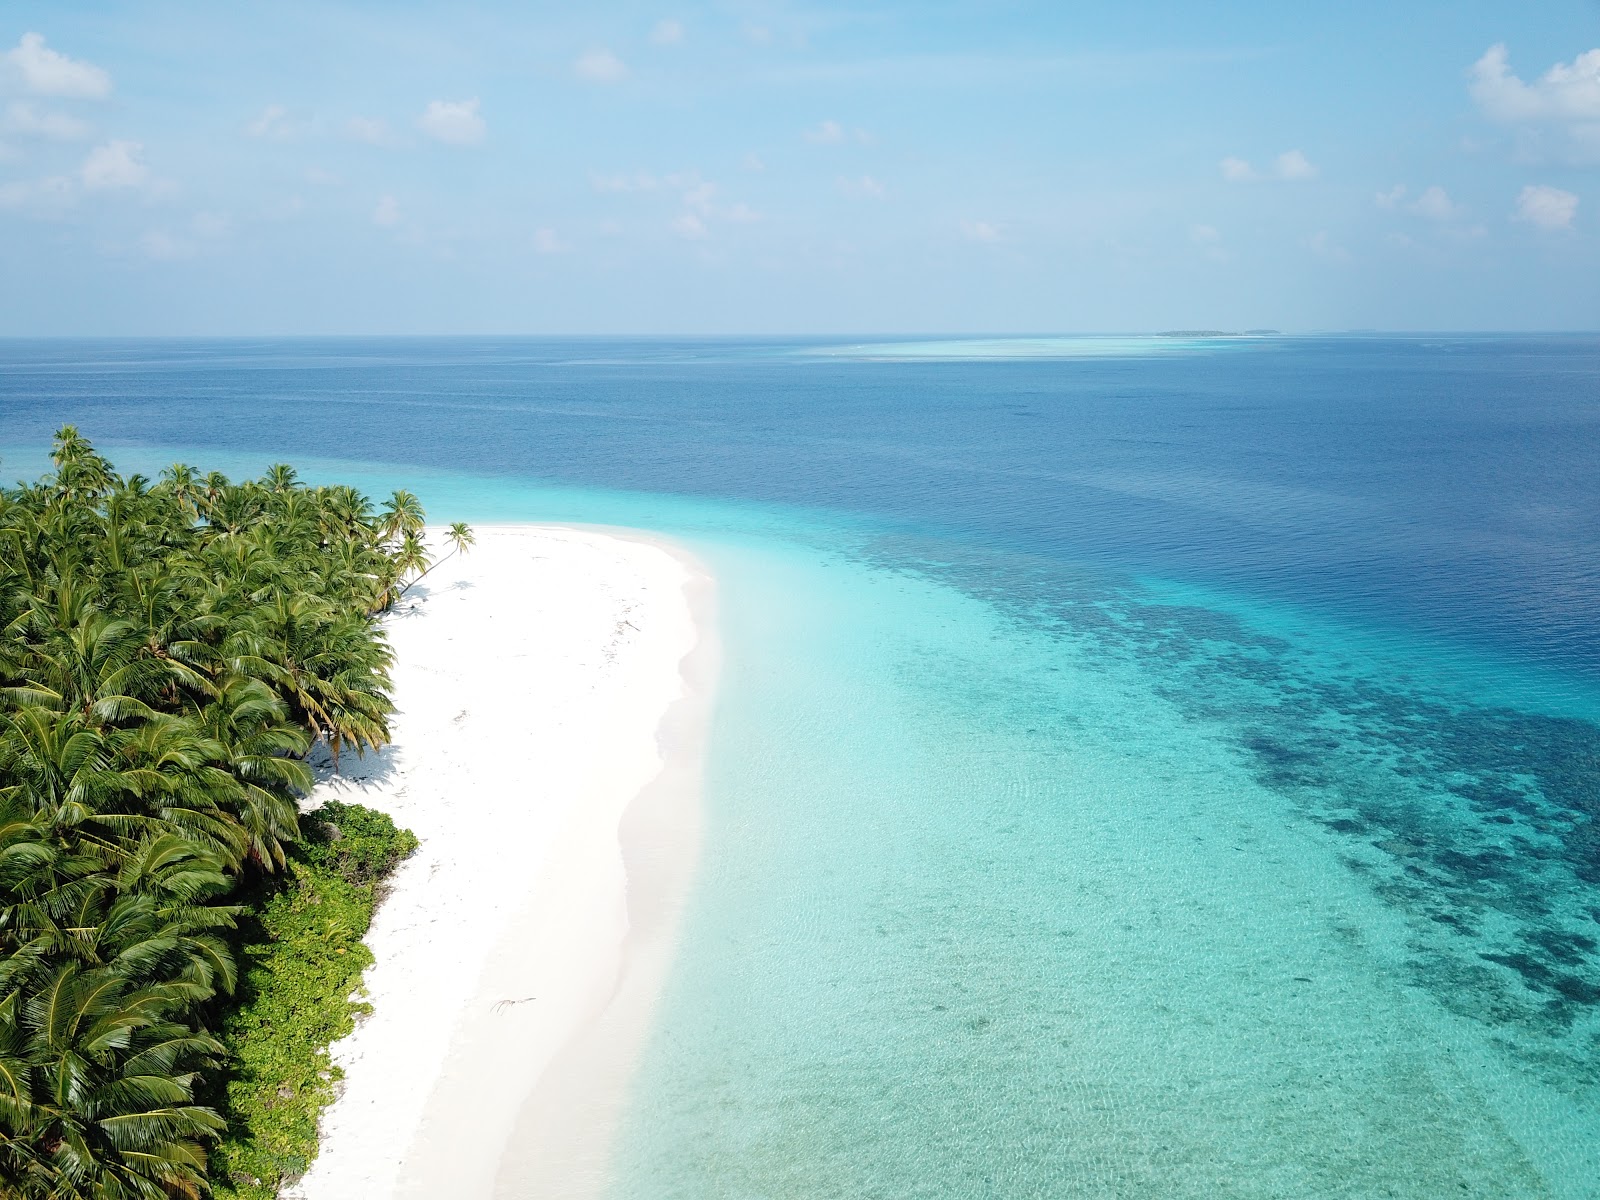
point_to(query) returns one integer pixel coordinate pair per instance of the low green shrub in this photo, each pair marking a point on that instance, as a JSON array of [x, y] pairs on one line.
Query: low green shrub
[[300, 964]]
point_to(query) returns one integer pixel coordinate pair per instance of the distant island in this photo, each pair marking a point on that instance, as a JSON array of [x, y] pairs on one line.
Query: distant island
[[1218, 333]]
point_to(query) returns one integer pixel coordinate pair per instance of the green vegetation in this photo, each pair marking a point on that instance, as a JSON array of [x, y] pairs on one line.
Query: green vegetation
[[169, 655], [300, 967]]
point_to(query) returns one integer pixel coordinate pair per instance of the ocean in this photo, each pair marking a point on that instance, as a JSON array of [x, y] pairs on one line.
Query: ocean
[[1142, 767]]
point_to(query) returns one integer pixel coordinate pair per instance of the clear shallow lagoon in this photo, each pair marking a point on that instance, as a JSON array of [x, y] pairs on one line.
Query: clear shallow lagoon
[[1134, 774], [999, 349]]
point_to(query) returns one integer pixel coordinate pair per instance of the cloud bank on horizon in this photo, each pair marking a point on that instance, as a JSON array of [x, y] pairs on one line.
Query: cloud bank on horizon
[[765, 166]]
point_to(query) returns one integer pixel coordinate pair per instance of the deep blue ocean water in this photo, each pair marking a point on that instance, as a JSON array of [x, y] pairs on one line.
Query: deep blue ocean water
[[1142, 768]]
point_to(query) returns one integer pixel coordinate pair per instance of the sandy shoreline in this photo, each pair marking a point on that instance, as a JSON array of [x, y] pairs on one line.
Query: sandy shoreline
[[552, 690]]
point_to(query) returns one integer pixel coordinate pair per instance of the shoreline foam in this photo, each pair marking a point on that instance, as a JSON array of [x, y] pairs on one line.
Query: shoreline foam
[[547, 686]]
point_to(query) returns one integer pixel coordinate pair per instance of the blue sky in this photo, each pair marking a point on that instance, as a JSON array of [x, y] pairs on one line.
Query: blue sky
[[772, 167]]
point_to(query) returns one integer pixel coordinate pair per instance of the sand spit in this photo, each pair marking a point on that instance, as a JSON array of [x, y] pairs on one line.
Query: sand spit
[[543, 682]]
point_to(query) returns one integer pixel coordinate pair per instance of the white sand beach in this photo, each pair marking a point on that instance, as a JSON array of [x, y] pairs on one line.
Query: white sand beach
[[543, 682]]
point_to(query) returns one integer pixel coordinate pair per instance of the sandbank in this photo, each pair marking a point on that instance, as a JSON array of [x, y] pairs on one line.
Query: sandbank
[[552, 688]]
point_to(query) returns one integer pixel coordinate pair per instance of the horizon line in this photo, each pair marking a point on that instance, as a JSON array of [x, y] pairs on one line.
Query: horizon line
[[1196, 332]]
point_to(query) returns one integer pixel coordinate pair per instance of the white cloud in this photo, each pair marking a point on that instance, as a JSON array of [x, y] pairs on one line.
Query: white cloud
[[271, 122], [699, 195], [374, 131], [1293, 165], [1236, 170], [1290, 166], [689, 227], [754, 162], [1435, 204], [1546, 207], [831, 133], [865, 185], [454, 122], [1323, 246], [41, 197], [25, 120], [1566, 92], [46, 72], [210, 225], [387, 214], [547, 241], [285, 209], [117, 164], [163, 247], [644, 181], [667, 32], [1558, 112], [600, 66], [639, 181], [701, 199], [981, 231]]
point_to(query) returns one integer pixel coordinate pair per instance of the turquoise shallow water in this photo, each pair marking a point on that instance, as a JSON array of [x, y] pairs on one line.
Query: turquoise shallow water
[[1244, 847], [992, 906], [986, 911]]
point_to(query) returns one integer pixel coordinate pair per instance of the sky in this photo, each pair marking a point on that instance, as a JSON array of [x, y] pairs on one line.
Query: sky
[[766, 167]]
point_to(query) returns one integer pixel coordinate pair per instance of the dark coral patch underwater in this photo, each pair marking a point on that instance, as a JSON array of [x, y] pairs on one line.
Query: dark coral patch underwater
[[1481, 823]]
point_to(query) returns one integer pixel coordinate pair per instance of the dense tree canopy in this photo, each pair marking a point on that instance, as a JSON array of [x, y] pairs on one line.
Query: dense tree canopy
[[169, 654]]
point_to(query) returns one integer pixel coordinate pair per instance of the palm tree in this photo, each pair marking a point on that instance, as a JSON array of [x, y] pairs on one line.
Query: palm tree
[[460, 537], [411, 557], [80, 472], [183, 482], [402, 516], [280, 477], [168, 656], [212, 487], [97, 1060], [346, 514], [97, 1089]]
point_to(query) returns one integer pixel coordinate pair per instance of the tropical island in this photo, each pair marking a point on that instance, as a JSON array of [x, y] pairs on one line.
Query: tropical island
[[184, 894], [179, 943]]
